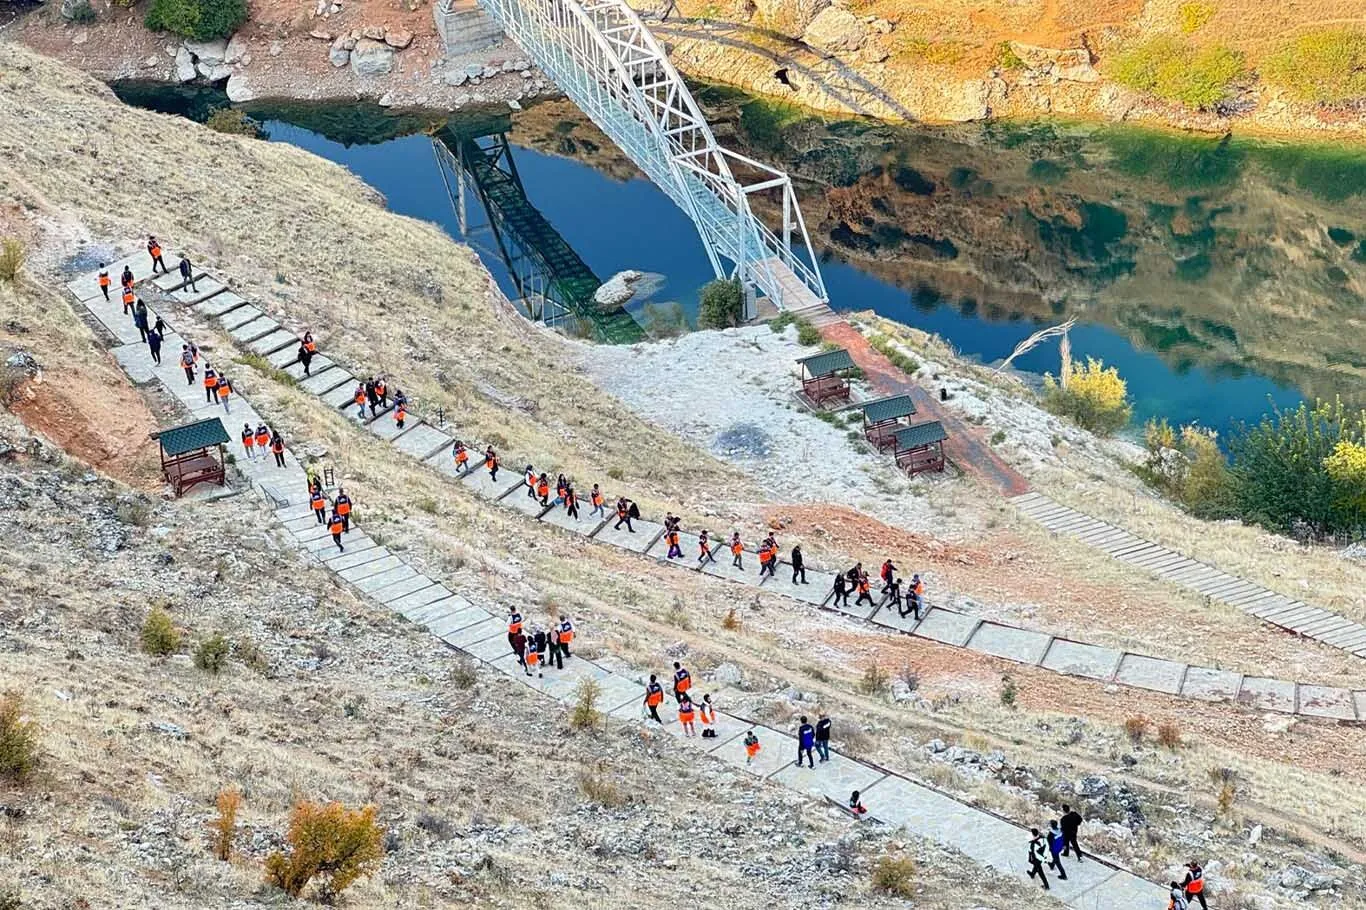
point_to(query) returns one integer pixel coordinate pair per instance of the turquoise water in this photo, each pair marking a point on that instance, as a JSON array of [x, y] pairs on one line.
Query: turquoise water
[[1180, 257]]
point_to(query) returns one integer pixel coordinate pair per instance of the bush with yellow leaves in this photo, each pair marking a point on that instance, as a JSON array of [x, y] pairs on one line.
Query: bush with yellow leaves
[[329, 841], [1092, 395]]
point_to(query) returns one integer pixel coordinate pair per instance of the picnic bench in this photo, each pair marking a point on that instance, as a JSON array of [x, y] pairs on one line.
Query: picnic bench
[[920, 447], [824, 376], [193, 454], [882, 417]]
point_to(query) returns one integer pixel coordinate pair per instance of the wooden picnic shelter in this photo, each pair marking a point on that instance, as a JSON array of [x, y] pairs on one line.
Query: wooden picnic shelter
[[882, 417], [193, 454], [920, 447], [825, 376]]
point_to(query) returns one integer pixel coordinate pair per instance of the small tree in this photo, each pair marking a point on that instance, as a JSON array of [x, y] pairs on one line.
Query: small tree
[[202, 20], [11, 258], [235, 122], [159, 634], [224, 827], [18, 739], [329, 841], [894, 875], [586, 715], [722, 306], [1094, 396], [212, 654]]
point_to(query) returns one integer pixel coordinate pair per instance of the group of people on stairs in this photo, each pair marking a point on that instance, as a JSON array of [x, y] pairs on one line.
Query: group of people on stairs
[[537, 648]]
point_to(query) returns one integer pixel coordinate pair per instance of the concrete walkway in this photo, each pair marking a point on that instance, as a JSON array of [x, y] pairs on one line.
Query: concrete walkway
[[384, 578], [430, 444], [1267, 605]]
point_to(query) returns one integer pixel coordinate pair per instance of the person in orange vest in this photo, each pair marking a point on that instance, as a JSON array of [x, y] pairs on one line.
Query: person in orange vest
[[262, 439], [514, 630], [128, 299], [704, 548], [359, 399], [623, 514], [671, 536], [400, 415], [682, 681], [318, 504], [305, 357], [917, 594], [686, 713], [707, 714], [856, 804], [530, 478], [654, 697], [1195, 884], [560, 486], [768, 557], [599, 503], [309, 344], [864, 591], [210, 382], [154, 250], [381, 392], [224, 390], [277, 447], [532, 656], [543, 490], [566, 634], [491, 462], [104, 282], [461, 456], [737, 550], [335, 526], [343, 505], [249, 445], [751, 747], [126, 279], [571, 501], [888, 574], [187, 363]]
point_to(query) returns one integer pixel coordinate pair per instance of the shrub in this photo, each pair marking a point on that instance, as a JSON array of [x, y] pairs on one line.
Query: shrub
[[1136, 728], [1188, 467], [12, 253], [998, 437], [81, 11], [212, 654], [1007, 59], [731, 621], [463, 674], [1176, 71], [202, 20], [1194, 15], [10, 900], [1226, 780], [1294, 471], [224, 827], [807, 334], [887, 348], [233, 122], [909, 678], [159, 634], [1325, 66], [18, 739], [586, 715], [329, 841], [250, 654], [874, 681], [1093, 395], [781, 321], [1169, 736], [600, 789], [722, 304], [1010, 693], [894, 875]]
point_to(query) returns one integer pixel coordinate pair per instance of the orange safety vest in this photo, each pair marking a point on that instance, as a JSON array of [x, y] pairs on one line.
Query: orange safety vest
[[128, 296], [156, 251], [400, 414], [597, 498], [566, 632], [752, 748], [461, 456], [919, 587], [704, 547], [336, 526], [311, 347], [248, 438], [514, 623], [360, 396], [542, 489], [490, 462], [736, 547], [317, 502], [682, 681], [343, 506], [653, 694], [673, 538], [262, 439], [210, 380], [223, 389], [621, 511], [278, 446], [685, 713], [533, 657], [863, 585], [708, 714], [1197, 882], [104, 279]]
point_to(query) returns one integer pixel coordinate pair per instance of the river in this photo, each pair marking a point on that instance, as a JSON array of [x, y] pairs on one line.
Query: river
[[1221, 277]]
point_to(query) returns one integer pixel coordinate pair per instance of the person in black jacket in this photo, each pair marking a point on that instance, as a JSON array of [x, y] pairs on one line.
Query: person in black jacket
[[1070, 823], [823, 736], [798, 566], [841, 592], [1038, 852]]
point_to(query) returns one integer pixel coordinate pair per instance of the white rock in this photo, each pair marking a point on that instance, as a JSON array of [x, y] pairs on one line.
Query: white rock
[[338, 54], [210, 52], [835, 29], [386, 100], [184, 66], [372, 58], [236, 49], [455, 77], [512, 103], [81, 37], [151, 62], [238, 90], [398, 37]]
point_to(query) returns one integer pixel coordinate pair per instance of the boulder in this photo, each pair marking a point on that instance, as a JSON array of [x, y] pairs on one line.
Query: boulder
[[386, 100], [339, 54], [455, 77], [372, 58], [1071, 64], [789, 17], [319, 34], [373, 32], [210, 52], [398, 38], [834, 30], [728, 675], [215, 73], [236, 49], [238, 90], [184, 66], [151, 62]]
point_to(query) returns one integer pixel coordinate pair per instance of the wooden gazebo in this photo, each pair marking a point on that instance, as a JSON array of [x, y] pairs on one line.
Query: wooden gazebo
[[193, 454], [920, 447], [882, 417], [824, 376]]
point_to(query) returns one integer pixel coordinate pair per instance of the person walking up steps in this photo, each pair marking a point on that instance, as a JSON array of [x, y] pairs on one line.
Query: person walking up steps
[[654, 697], [262, 439], [277, 448], [542, 645], [154, 338], [128, 301], [841, 591], [823, 737], [707, 714], [856, 807], [126, 280], [461, 456], [1038, 853], [1070, 824], [343, 504], [737, 551], [335, 528], [686, 713], [104, 282], [249, 446], [533, 657], [187, 273], [571, 501], [371, 396], [224, 390], [1194, 885], [154, 250], [682, 681], [400, 414], [671, 536], [623, 515], [888, 575], [704, 548], [140, 318], [514, 630], [1055, 845], [530, 477], [318, 504], [894, 600], [210, 383], [543, 490], [556, 652], [751, 747], [864, 591], [798, 567], [917, 597], [806, 739], [491, 462], [305, 357], [598, 502], [187, 363], [358, 399], [566, 635]]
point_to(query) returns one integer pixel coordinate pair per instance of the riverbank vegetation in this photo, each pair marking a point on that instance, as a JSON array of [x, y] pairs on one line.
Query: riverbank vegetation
[[1092, 395], [202, 20], [1327, 66], [1176, 70]]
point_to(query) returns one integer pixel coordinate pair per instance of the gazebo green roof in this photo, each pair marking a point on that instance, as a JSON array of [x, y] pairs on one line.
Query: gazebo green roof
[[893, 407], [198, 435], [827, 362], [922, 434]]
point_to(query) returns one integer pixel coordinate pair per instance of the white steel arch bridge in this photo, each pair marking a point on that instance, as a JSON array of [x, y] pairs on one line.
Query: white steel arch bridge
[[607, 62]]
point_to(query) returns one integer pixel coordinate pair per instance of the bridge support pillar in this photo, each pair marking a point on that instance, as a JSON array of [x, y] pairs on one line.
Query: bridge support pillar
[[464, 27]]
